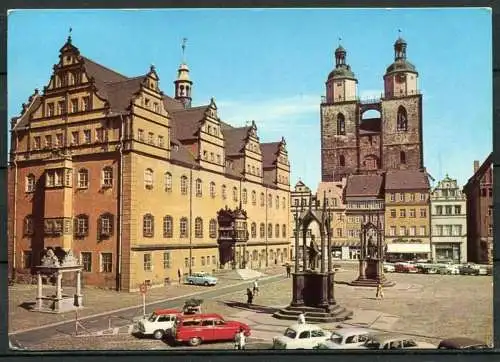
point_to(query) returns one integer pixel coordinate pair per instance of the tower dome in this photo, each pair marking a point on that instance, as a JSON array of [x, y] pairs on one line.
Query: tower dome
[[183, 85]]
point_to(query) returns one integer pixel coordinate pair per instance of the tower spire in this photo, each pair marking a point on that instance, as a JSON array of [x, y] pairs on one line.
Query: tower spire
[[183, 46], [69, 34], [183, 84]]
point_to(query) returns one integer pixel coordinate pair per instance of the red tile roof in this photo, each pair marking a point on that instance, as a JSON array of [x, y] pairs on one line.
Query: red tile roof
[[120, 94], [406, 180], [364, 185], [235, 139], [186, 123], [479, 173], [269, 153]]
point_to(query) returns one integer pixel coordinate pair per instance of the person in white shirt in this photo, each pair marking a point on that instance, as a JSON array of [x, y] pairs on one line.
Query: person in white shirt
[[301, 319], [255, 287], [240, 340]]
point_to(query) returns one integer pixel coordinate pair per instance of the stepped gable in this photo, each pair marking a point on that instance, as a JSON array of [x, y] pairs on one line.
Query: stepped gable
[[406, 180], [364, 185], [269, 153], [186, 122]]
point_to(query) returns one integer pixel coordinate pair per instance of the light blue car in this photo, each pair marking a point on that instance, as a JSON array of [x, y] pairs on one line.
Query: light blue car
[[201, 279]]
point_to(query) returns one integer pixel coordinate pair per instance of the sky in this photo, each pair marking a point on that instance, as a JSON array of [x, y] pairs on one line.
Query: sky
[[270, 65]]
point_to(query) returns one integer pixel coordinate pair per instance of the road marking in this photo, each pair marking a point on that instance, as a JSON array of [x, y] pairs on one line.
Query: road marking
[[138, 306]]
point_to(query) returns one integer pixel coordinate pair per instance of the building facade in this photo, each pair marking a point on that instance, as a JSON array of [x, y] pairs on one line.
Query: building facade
[[131, 180], [479, 194], [407, 215], [364, 200], [353, 143], [448, 222]]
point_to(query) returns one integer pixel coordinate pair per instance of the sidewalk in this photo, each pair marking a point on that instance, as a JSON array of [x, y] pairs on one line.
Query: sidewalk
[[96, 301]]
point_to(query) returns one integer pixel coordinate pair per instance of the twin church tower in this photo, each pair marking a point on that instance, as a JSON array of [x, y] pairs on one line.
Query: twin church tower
[[354, 144]]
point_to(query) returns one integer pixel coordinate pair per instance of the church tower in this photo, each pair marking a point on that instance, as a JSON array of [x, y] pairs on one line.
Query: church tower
[[339, 122], [183, 85], [401, 114]]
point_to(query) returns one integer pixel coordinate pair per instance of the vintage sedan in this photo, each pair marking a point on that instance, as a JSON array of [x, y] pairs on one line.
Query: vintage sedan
[[389, 268], [462, 343], [201, 279], [301, 336], [394, 341], [449, 269], [158, 323], [346, 338]]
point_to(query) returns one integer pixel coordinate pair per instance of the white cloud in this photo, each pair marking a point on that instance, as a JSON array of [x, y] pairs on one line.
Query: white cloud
[[271, 115]]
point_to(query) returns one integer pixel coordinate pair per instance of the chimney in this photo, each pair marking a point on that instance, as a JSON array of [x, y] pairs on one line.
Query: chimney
[[476, 166]]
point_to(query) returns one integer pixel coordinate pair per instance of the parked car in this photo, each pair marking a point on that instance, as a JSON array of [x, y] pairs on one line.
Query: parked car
[[301, 336], [449, 269], [394, 341], [469, 269], [345, 338], [405, 268], [197, 328], [427, 268], [462, 343], [389, 268], [158, 323], [201, 279]]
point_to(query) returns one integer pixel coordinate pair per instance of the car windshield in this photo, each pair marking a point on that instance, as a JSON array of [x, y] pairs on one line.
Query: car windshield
[[152, 317], [336, 338], [372, 344], [290, 333]]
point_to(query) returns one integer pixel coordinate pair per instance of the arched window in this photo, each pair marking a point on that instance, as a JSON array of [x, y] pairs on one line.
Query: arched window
[[83, 178], [30, 183], [212, 189], [269, 201], [262, 230], [284, 203], [224, 192], [253, 230], [262, 199], [402, 157], [199, 191], [28, 225], [283, 231], [105, 225], [340, 124], [244, 196], [198, 227], [277, 202], [212, 228], [107, 177], [148, 229], [148, 178], [168, 182], [184, 185], [235, 194], [168, 227], [183, 227], [277, 230], [270, 230], [254, 198], [402, 120], [342, 160]]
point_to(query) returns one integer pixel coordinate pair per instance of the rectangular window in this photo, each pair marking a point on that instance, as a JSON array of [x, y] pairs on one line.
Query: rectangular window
[[99, 135], [214, 261], [36, 143], [392, 197], [422, 231], [86, 136], [140, 135], [166, 260], [61, 107], [87, 261], [339, 232], [192, 261], [106, 263], [458, 210], [86, 103], [147, 262], [402, 213], [447, 230], [59, 140], [402, 231], [412, 197], [74, 105], [49, 176], [161, 142], [401, 197], [202, 261], [27, 259], [392, 231], [413, 230], [151, 138], [393, 213], [457, 230], [48, 141], [439, 230], [423, 213], [75, 138], [50, 109], [439, 210], [448, 210], [412, 212]]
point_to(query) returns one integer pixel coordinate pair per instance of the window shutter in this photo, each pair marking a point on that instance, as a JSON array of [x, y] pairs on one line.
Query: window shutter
[[152, 225], [111, 224]]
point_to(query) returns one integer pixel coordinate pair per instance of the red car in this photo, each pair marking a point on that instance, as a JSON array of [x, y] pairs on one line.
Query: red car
[[195, 329], [405, 268]]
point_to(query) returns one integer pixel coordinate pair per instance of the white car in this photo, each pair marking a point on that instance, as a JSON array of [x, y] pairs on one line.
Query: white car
[[346, 338], [301, 336], [449, 269], [158, 323], [394, 341], [389, 268]]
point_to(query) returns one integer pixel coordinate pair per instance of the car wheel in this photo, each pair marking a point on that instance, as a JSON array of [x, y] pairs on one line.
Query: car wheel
[[195, 341], [191, 282], [205, 284], [158, 334]]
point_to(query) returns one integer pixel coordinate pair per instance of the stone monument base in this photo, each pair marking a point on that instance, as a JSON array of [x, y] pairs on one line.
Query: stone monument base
[[372, 275], [53, 305]]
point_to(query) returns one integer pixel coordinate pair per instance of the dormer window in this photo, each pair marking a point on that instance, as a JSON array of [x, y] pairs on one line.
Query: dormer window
[[86, 103], [50, 109], [74, 105]]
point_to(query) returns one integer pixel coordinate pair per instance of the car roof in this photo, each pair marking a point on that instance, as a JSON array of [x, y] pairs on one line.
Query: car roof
[[167, 311], [460, 342], [349, 331], [388, 337], [305, 326], [201, 316]]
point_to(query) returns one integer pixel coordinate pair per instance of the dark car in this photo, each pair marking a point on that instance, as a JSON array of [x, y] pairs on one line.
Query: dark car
[[462, 343]]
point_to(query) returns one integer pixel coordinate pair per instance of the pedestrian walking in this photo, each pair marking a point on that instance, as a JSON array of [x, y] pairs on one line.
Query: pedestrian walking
[[240, 339], [179, 275], [255, 287], [302, 318], [249, 296], [380, 292], [288, 270]]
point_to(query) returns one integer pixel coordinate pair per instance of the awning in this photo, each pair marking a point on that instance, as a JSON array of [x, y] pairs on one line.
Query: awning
[[408, 248]]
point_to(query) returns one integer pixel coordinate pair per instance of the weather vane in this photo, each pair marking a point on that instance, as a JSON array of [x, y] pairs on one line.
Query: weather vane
[[184, 40], [399, 32], [340, 39], [69, 33]]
